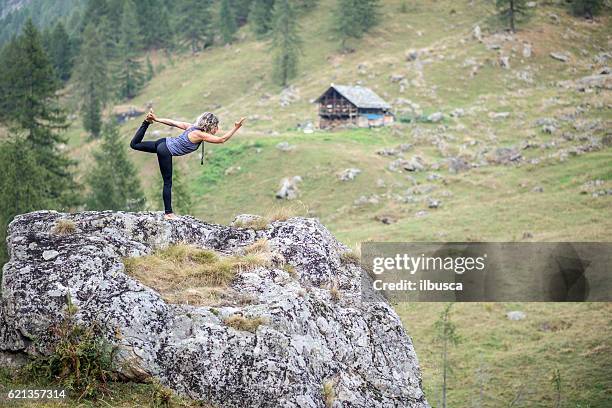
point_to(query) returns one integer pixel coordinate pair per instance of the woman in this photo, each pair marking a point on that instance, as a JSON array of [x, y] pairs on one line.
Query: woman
[[203, 130]]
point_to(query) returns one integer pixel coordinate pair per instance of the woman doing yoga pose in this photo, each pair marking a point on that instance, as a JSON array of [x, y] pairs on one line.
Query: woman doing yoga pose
[[203, 130]]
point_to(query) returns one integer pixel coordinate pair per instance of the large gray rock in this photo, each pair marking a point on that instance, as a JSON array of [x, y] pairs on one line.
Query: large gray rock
[[312, 336]]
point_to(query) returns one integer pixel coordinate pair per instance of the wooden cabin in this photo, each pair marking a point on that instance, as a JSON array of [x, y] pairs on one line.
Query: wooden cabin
[[357, 105]]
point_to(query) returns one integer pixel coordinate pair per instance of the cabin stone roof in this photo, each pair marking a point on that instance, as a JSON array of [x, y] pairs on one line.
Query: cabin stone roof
[[359, 96]]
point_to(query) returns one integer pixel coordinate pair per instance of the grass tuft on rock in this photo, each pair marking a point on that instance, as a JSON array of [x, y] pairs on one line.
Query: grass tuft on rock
[[350, 257], [243, 323], [183, 273], [329, 394], [257, 224], [64, 227]]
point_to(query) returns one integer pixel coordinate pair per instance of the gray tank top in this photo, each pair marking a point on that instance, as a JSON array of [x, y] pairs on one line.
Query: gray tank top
[[181, 145]]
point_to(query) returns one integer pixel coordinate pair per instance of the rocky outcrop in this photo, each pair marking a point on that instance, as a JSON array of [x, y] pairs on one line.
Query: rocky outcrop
[[318, 328]]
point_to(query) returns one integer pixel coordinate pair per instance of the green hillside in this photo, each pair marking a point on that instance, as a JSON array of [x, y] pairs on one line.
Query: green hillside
[[494, 202], [538, 199]]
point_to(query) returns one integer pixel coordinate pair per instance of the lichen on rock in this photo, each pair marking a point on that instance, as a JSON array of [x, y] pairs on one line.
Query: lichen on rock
[[300, 331]]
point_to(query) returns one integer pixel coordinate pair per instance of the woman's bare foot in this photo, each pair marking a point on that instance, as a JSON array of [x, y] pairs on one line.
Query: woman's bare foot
[[170, 216]]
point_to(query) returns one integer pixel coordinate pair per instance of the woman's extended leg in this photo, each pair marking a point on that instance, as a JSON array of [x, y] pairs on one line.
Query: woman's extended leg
[[138, 144], [165, 167]]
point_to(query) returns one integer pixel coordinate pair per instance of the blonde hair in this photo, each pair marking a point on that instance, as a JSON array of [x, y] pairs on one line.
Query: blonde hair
[[206, 122]]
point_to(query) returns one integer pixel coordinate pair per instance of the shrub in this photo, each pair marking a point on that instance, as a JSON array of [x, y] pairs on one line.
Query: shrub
[[161, 397], [81, 361]]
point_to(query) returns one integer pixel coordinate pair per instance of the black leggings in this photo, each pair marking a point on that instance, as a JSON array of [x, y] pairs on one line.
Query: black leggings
[[163, 157]]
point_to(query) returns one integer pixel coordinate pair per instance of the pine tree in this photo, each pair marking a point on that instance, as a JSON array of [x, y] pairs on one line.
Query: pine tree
[[195, 36], [91, 77], [240, 10], [130, 77], [21, 186], [368, 14], [353, 18], [109, 37], [29, 102], [586, 8], [511, 11], [227, 22], [286, 42], [154, 23], [165, 37], [113, 179], [60, 51], [260, 17]]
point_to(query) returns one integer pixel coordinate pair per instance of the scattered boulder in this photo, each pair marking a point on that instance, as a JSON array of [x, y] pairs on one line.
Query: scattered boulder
[[387, 151], [527, 51], [414, 164], [506, 155], [457, 113], [596, 188], [594, 81], [348, 174], [363, 200], [516, 315], [457, 164], [285, 147], [504, 62], [404, 147], [499, 115], [525, 76], [560, 56], [412, 55], [289, 188], [433, 203], [289, 95], [435, 117], [308, 334], [546, 122], [477, 33]]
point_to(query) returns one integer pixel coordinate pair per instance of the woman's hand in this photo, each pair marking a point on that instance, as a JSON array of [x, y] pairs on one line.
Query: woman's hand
[[238, 124], [151, 117]]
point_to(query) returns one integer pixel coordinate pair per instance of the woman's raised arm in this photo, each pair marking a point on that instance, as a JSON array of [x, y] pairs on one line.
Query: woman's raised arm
[[175, 123]]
